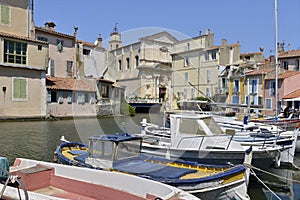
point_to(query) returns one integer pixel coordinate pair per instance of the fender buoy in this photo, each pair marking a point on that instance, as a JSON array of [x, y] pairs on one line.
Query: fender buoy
[[277, 161]]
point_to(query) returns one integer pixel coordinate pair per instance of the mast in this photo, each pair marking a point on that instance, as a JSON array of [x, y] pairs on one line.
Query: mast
[[276, 60]]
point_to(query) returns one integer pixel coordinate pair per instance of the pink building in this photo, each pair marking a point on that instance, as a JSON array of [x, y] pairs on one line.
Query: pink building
[[288, 82]]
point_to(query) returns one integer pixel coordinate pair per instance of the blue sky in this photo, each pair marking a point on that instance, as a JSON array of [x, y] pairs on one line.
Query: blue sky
[[251, 22]]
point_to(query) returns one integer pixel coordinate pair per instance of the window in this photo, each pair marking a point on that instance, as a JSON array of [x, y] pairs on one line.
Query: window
[[236, 86], [253, 86], [207, 92], [272, 88], [60, 98], [20, 89], [69, 97], [53, 96], [185, 93], [214, 55], [186, 77], [51, 67], [186, 61], [92, 98], [49, 96], [285, 65], [120, 65], [235, 99], [268, 103], [260, 100], [297, 65], [40, 47], [136, 61], [86, 98], [247, 100], [41, 38], [80, 98], [127, 63], [69, 66], [208, 76], [15, 52], [86, 52], [60, 45], [188, 46], [192, 93], [5, 14], [206, 56], [104, 91]]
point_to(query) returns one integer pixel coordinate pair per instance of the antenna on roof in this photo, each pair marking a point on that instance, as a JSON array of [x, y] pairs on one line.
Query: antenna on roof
[[116, 29]]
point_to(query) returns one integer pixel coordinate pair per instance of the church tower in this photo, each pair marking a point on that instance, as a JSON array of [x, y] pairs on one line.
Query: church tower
[[115, 39]]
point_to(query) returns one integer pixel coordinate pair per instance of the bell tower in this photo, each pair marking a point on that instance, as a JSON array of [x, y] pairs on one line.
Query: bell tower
[[115, 39]]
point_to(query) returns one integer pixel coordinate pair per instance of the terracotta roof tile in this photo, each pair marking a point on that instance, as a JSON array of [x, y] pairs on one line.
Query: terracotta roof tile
[[292, 95], [46, 30], [259, 71], [8, 35], [251, 53], [282, 74], [87, 43], [287, 54], [57, 83]]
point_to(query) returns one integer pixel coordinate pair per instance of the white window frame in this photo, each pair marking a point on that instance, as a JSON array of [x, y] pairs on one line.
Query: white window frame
[[236, 89], [60, 97], [69, 97], [251, 86]]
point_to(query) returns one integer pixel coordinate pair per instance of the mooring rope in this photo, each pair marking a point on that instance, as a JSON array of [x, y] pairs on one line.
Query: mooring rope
[[253, 173], [272, 174]]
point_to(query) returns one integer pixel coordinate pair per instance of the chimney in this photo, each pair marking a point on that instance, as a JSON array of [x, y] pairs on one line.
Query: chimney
[[75, 31], [50, 25], [99, 41], [224, 42], [207, 31]]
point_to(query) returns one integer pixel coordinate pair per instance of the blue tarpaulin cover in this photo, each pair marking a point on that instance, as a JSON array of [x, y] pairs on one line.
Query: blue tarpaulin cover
[[141, 167]]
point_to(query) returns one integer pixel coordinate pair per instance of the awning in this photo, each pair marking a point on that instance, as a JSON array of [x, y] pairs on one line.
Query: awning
[[292, 99]]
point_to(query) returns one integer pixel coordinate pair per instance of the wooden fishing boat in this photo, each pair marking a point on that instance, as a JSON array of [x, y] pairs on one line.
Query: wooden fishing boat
[[36, 180], [122, 153]]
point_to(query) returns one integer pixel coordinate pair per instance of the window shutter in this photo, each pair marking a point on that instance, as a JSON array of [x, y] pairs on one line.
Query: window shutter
[[17, 88], [69, 97], [5, 14], [20, 91], [49, 96], [52, 66]]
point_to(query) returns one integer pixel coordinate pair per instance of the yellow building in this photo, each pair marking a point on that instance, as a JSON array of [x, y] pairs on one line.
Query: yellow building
[[195, 65], [22, 64]]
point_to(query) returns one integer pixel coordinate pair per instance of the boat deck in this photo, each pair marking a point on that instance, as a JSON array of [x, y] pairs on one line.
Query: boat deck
[[43, 180], [57, 192]]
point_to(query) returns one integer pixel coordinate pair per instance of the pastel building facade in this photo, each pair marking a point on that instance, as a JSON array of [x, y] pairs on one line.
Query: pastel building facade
[[23, 64]]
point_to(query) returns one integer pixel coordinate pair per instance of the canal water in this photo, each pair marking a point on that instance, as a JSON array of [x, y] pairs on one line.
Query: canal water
[[39, 139]]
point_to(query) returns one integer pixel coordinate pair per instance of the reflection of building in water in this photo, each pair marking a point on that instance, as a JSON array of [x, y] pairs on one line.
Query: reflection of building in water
[[283, 187]]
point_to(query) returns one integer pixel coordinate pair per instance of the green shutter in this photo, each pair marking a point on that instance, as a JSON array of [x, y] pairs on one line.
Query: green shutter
[[23, 88], [5, 14], [16, 88], [20, 88]]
